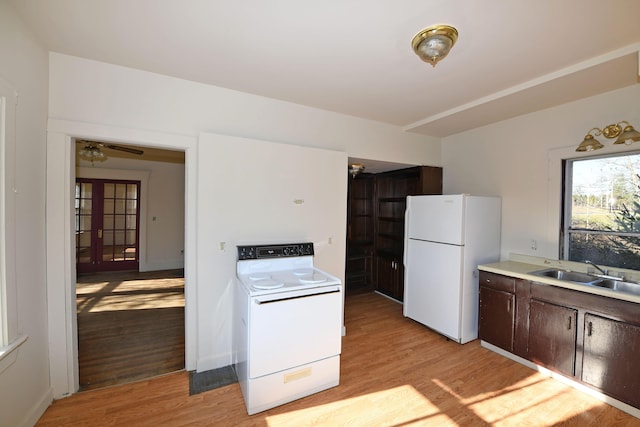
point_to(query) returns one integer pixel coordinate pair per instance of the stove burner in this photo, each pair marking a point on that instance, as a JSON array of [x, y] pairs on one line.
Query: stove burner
[[259, 276], [313, 278], [303, 271], [267, 284]]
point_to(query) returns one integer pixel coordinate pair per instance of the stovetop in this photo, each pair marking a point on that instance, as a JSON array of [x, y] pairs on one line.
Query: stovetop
[[280, 268]]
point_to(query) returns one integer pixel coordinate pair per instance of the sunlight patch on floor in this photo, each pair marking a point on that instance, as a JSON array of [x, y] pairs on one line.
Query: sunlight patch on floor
[[130, 295], [98, 303], [521, 402], [405, 406], [402, 405]]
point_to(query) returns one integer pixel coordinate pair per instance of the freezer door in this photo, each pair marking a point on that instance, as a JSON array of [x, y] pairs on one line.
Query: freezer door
[[432, 288], [435, 218]]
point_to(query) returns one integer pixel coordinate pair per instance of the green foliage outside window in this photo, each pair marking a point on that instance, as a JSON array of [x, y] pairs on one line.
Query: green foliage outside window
[[605, 211]]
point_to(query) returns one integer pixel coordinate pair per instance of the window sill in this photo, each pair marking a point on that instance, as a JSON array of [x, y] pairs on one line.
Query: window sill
[[9, 354]]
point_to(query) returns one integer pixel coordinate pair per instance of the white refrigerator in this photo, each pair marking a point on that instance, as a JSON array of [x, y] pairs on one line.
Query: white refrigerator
[[446, 238]]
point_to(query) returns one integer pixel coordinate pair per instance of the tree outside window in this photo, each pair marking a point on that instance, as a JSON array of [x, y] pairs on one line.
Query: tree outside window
[[602, 211]]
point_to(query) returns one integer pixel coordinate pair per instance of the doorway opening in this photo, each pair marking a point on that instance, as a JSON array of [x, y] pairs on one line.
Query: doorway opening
[[129, 239]]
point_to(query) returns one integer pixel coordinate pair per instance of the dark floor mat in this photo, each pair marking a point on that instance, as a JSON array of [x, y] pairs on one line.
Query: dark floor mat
[[208, 380]]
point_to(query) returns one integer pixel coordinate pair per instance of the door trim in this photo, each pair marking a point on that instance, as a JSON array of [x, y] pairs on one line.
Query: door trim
[[60, 246]]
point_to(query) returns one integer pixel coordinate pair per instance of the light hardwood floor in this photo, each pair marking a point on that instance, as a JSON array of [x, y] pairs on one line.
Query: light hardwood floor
[[394, 372]]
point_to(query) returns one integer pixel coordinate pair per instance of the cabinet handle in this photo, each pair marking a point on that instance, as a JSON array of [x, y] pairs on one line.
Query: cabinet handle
[[589, 329], [508, 306], [569, 324]]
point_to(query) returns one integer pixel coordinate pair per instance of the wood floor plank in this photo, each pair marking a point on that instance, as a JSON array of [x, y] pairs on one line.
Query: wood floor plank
[[130, 326], [394, 372]]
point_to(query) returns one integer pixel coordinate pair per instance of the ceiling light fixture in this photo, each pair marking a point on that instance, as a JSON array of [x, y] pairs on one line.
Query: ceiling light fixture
[[625, 135], [356, 169], [434, 43], [91, 152]]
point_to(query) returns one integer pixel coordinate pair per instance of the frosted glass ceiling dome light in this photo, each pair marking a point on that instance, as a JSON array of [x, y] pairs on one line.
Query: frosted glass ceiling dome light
[[434, 43]]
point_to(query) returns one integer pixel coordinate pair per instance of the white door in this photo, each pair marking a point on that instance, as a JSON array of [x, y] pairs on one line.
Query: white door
[[432, 288]]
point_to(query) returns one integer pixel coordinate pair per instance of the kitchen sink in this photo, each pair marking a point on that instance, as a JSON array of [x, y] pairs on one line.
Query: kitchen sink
[[619, 286], [569, 276]]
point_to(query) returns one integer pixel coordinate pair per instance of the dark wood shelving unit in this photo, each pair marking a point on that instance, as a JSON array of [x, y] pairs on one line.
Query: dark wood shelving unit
[[360, 232], [375, 237]]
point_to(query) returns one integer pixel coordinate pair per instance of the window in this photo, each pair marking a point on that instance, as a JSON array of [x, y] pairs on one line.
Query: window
[[601, 220], [8, 291]]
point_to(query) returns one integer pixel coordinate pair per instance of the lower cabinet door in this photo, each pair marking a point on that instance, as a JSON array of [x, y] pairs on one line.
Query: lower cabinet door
[[389, 273], [611, 358], [552, 336], [497, 317]]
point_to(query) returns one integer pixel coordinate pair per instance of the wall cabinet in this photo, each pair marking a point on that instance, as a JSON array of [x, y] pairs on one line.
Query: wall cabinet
[[590, 338]]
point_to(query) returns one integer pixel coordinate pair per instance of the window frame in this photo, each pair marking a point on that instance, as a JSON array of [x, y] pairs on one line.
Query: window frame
[[9, 339], [567, 197]]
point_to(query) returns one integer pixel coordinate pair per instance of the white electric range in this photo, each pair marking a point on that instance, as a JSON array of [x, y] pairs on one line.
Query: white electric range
[[288, 325]]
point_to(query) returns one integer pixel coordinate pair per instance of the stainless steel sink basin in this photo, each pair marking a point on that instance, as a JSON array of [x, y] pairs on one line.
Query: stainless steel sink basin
[[619, 286], [569, 276]]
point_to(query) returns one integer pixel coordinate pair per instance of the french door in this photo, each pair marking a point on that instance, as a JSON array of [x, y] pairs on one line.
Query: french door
[[107, 219]]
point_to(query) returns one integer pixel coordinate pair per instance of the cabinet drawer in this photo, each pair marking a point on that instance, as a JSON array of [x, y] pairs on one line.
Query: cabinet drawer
[[498, 282]]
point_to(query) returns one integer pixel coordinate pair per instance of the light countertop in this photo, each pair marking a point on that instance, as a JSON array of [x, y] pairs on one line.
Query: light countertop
[[521, 266]]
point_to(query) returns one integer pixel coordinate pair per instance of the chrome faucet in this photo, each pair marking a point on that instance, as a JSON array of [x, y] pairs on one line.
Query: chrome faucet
[[605, 272]]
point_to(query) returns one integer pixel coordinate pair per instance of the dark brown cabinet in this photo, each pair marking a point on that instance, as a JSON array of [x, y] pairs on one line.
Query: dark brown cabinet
[[496, 319], [360, 232], [552, 336], [392, 189], [610, 360], [390, 276], [590, 338]]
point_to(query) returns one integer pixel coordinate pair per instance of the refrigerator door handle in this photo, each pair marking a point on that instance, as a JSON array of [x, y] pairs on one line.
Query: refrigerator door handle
[[407, 212]]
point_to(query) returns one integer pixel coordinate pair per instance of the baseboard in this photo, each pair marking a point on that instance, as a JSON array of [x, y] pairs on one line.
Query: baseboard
[[161, 265], [388, 297], [38, 410], [565, 380]]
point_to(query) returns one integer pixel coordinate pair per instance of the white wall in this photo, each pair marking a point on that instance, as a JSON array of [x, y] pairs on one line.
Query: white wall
[[24, 386], [94, 92], [89, 96], [278, 193], [520, 160], [162, 206]]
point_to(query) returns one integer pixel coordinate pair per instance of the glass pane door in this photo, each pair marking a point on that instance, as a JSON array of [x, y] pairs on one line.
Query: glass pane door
[[107, 223]]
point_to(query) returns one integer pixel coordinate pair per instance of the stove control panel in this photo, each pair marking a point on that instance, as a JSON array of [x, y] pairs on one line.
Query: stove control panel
[[274, 251]]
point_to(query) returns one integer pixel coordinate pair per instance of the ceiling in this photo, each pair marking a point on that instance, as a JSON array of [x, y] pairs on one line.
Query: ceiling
[[354, 57]]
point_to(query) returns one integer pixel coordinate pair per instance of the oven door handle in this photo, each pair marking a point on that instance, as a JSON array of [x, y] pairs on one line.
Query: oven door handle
[[288, 298]]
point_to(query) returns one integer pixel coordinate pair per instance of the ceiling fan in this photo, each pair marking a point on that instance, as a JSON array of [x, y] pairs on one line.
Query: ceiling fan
[[92, 151]]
